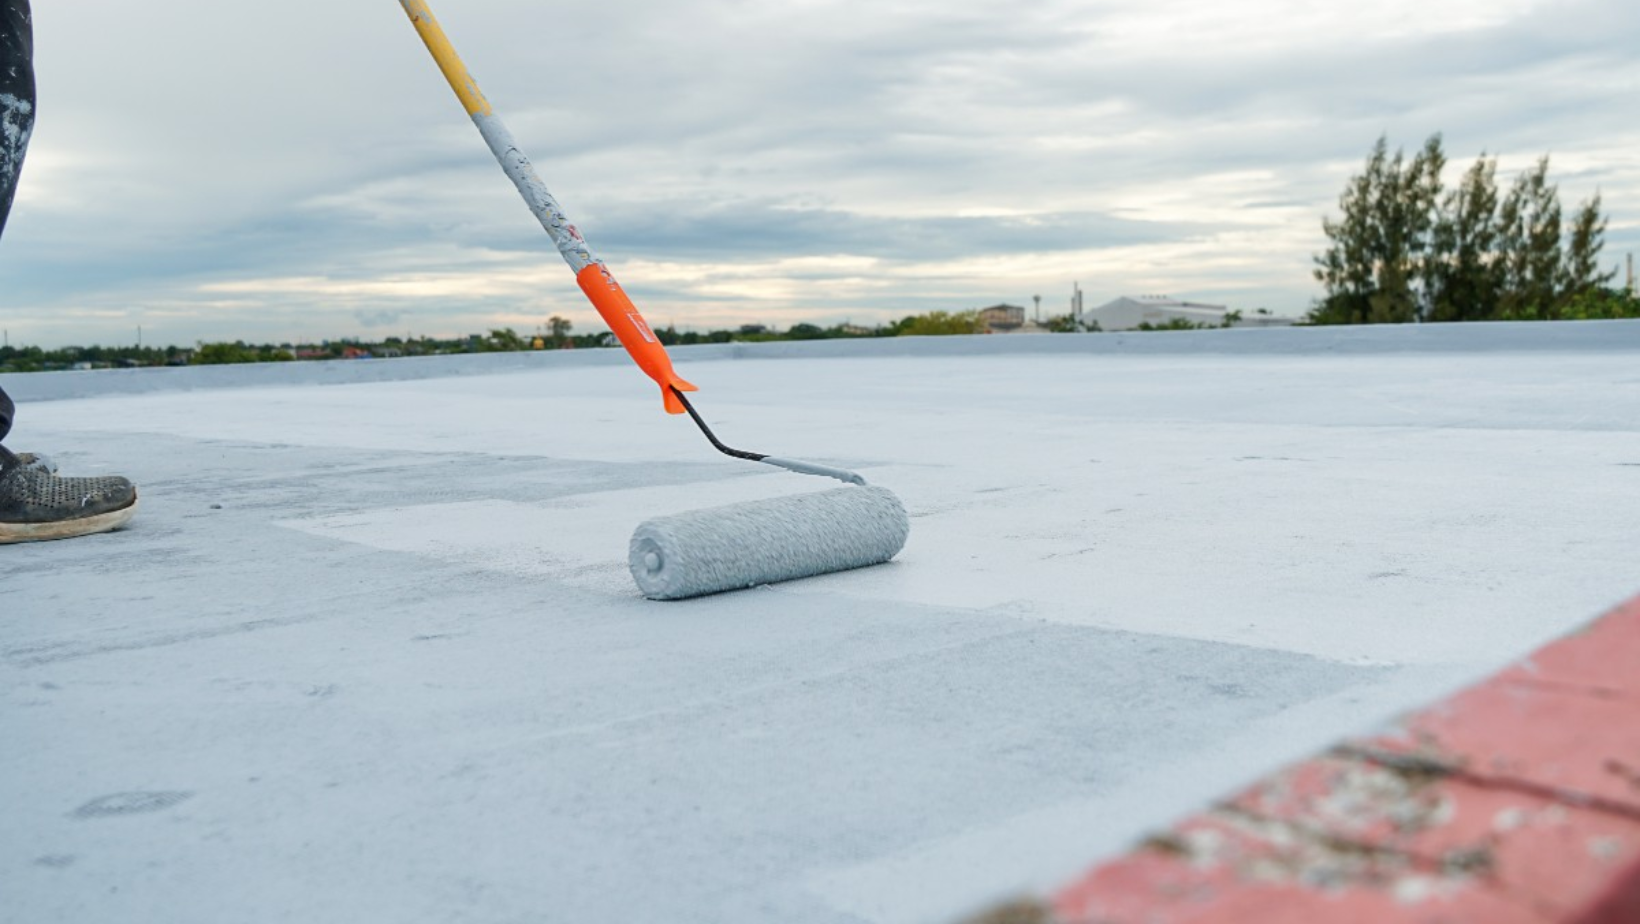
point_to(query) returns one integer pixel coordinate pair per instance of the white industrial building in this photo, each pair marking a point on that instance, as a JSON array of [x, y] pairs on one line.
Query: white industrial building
[[1129, 312]]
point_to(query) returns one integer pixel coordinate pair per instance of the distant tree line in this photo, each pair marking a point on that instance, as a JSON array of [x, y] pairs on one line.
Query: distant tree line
[[38, 359], [555, 334], [1406, 248]]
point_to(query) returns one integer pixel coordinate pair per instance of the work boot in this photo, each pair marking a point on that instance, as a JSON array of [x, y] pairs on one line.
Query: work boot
[[37, 504]]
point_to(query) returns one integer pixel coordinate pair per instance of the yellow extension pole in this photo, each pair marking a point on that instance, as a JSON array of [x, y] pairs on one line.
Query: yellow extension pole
[[472, 98], [591, 273]]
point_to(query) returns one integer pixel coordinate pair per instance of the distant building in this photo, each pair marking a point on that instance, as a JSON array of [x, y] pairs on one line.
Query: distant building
[[1129, 312], [1002, 319]]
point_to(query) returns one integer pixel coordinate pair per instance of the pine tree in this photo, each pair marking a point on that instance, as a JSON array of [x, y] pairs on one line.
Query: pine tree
[[1403, 251], [1371, 271], [1530, 247], [1346, 269], [1462, 277], [1580, 273]]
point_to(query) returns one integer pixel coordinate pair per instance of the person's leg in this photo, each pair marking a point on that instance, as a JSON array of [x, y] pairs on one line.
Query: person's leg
[[16, 121], [16, 96], [34, 502]]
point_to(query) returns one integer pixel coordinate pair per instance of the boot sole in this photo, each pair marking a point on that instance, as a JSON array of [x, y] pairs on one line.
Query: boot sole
[[67, 529]]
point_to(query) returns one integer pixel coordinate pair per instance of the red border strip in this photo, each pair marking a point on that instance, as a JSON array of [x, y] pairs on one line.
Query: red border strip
[[1515, 800]]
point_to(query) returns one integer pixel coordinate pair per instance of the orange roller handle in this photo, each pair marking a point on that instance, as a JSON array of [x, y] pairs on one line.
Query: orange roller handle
[[633, 331]]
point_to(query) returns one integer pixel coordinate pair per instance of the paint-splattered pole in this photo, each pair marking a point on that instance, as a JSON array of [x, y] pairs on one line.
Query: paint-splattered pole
[[593, 276]]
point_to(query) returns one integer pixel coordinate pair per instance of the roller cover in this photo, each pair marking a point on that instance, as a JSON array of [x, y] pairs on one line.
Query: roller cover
[[761, 542]]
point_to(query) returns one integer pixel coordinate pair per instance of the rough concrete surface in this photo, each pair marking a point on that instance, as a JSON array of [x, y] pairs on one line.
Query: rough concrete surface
[[370, 651]]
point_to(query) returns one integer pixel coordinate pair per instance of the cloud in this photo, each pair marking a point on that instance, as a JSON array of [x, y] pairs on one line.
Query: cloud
[[742, 161], [380, 318]]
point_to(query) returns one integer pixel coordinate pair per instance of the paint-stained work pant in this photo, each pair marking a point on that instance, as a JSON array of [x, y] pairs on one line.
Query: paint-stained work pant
[[16, 120], [16, 96]]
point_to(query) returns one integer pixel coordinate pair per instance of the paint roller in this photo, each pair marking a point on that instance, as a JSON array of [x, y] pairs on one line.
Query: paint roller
[[719, 548]]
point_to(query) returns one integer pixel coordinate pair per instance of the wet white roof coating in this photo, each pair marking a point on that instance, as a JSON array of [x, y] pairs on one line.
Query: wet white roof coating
[[370, 651]]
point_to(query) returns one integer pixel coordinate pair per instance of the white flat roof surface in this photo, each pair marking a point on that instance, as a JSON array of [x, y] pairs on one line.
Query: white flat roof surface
[[370, 653]]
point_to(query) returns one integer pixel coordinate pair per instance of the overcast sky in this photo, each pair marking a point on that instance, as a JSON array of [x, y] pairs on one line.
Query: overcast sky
[[300, 171]]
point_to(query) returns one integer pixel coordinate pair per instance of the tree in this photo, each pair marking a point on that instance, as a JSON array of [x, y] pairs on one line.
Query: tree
[[937, 323], [1406, 222], [1461, 280], [559, 327], [1346, 268], [1530, 245], [1402, 250], [504, 339], [1175, 324], [1378, 248], [1600, 303], [1581, 275], [213, 354]]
